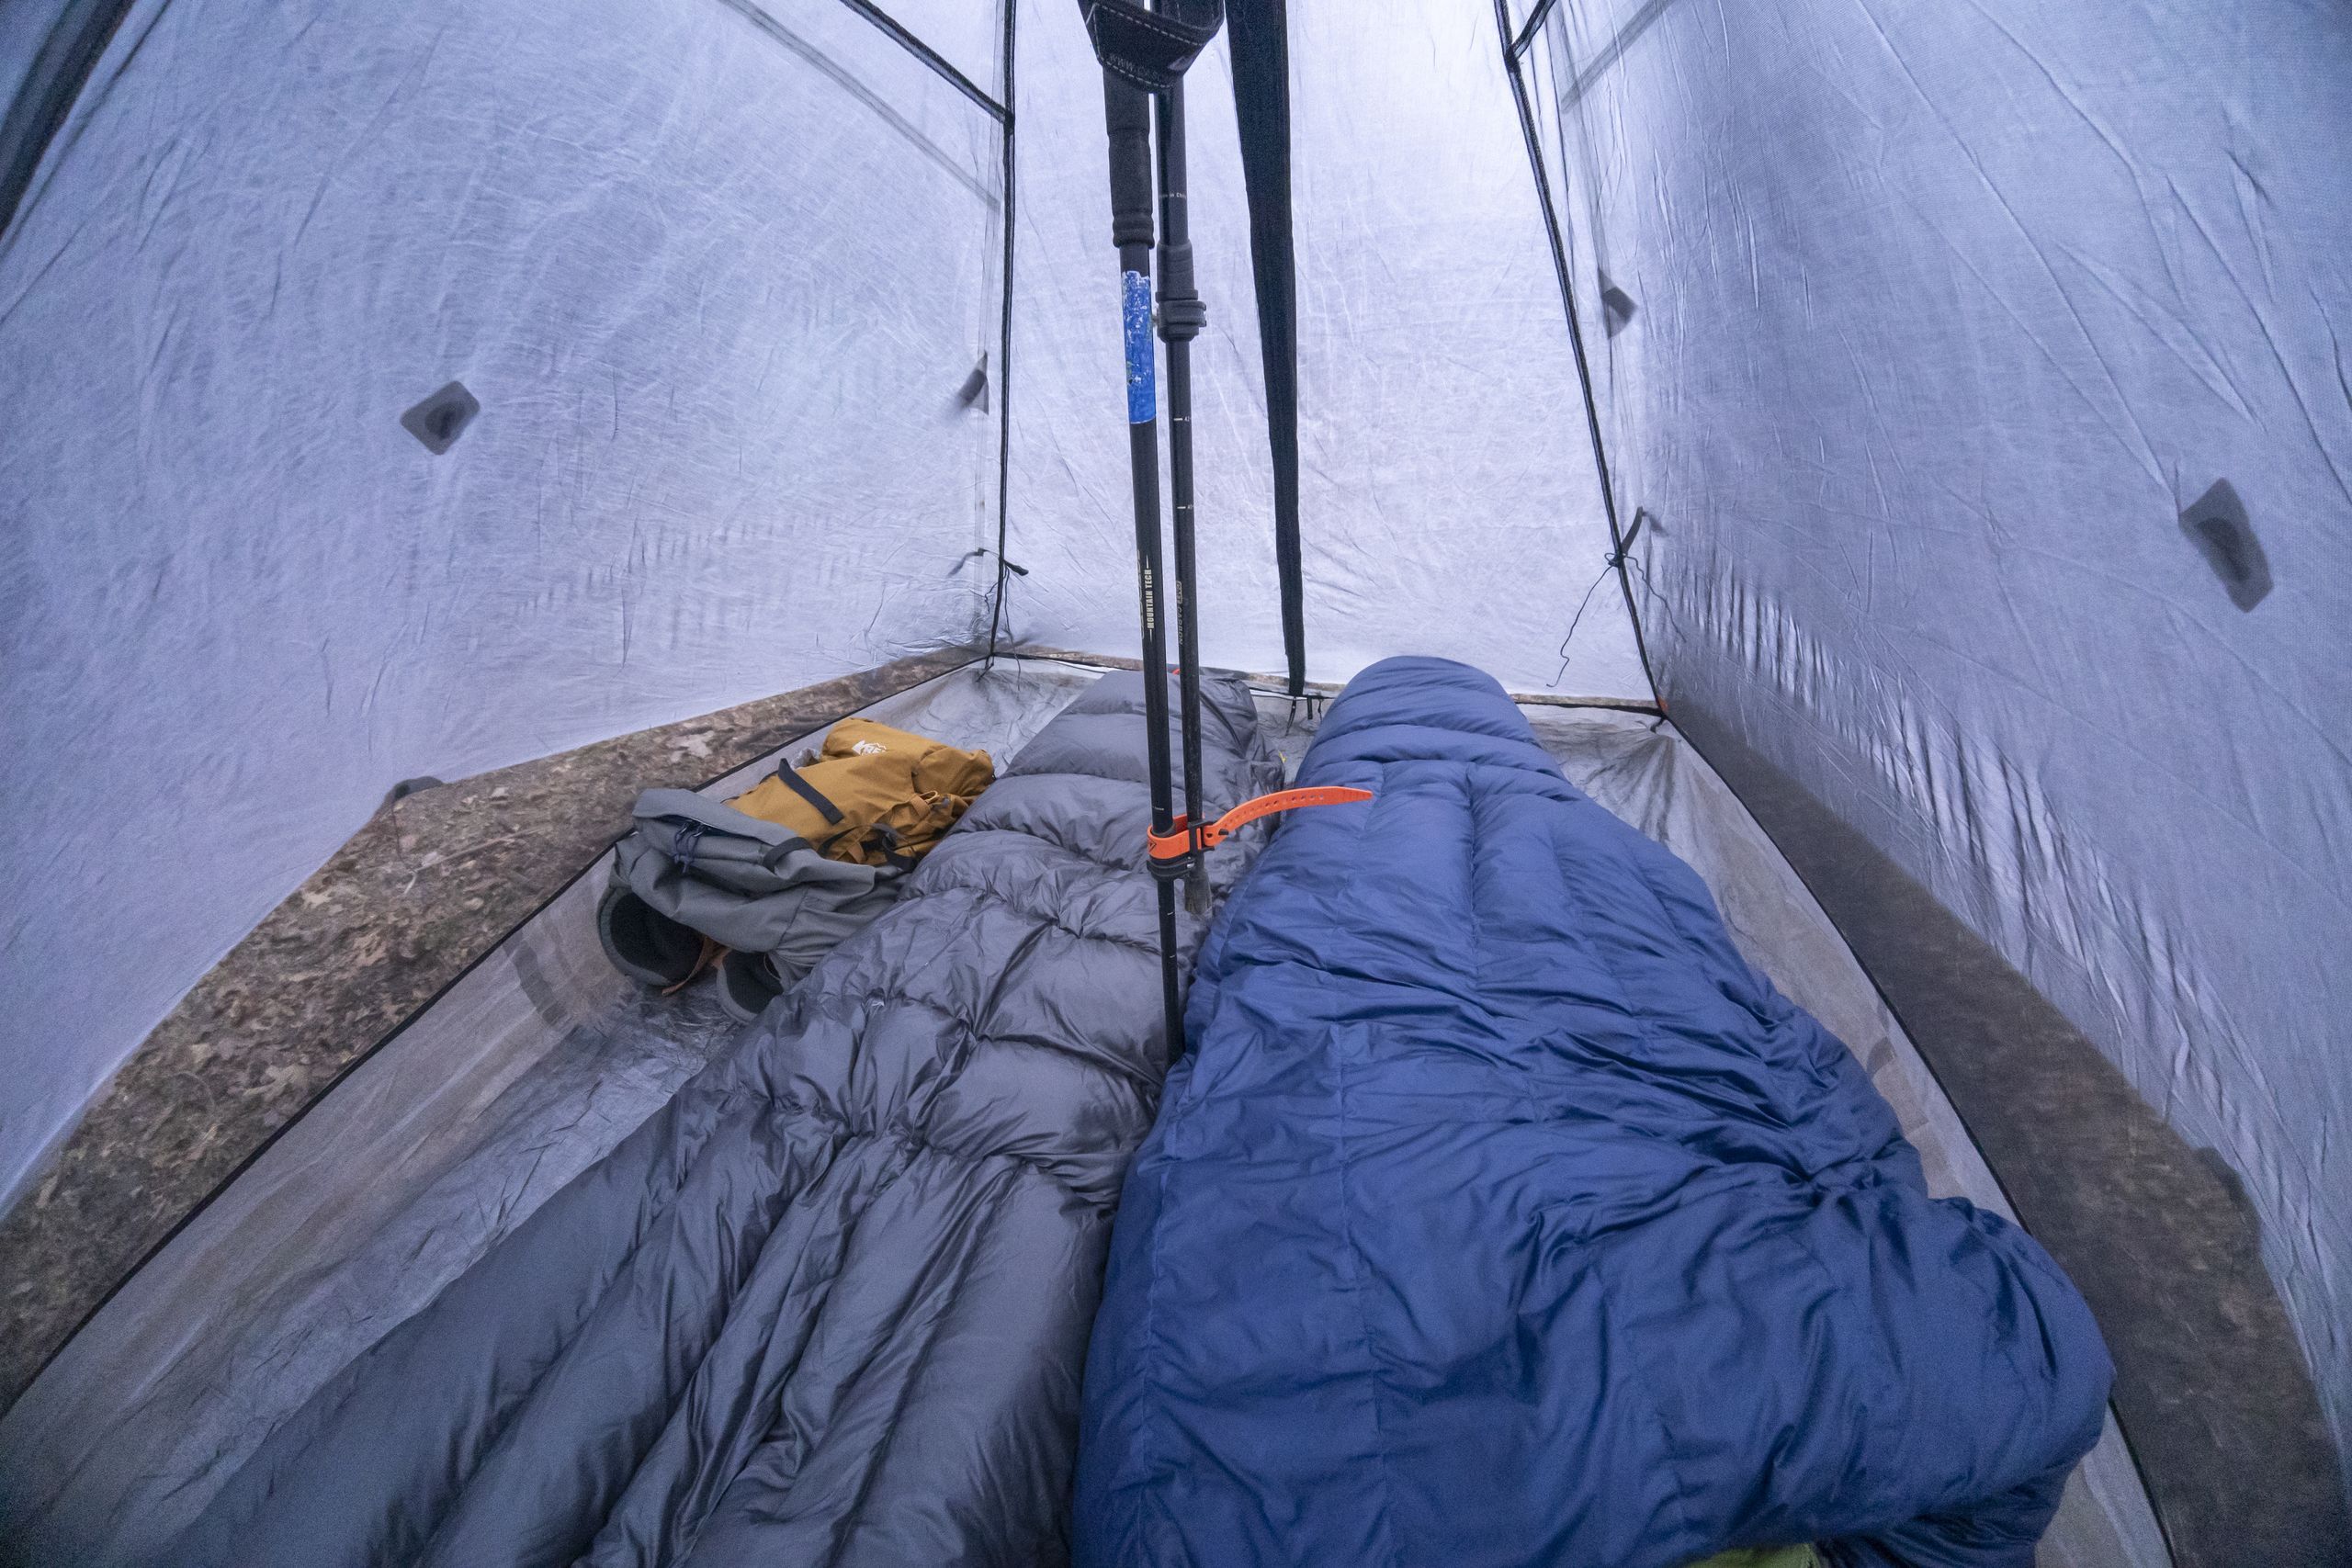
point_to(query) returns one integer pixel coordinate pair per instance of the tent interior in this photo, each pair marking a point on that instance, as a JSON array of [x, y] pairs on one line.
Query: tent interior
[[1891, 453]]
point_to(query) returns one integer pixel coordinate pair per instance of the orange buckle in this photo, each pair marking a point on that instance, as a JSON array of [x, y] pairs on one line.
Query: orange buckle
[[1182, 838]]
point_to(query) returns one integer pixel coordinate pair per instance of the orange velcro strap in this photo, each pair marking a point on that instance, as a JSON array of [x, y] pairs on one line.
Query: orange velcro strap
[[1182, 838]]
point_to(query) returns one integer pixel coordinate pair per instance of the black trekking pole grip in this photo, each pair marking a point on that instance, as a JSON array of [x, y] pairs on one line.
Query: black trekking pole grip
[[1126, 112]]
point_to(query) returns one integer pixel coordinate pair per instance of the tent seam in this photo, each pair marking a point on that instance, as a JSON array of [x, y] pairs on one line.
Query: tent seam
[[1617, 539]]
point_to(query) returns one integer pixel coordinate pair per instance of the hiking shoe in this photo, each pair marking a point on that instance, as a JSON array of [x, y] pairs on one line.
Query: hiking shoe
[[644, 943], [747, 984]]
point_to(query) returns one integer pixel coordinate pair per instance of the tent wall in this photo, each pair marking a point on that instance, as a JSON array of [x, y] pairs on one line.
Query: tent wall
[[1927, 326], [716, 273], [1447, 497], [1942, 318]]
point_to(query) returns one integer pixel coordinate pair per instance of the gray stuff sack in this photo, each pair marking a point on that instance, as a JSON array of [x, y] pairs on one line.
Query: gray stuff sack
[[752, 885]]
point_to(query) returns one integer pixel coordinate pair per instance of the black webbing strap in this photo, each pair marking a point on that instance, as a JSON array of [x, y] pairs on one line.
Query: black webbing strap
[[1261, 103], [886, 841], [878, 840], [807, 792], [1150, 47]]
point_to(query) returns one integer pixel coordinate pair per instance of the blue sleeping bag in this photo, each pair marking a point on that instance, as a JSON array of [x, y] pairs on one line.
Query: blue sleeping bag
[[1501, 1214]]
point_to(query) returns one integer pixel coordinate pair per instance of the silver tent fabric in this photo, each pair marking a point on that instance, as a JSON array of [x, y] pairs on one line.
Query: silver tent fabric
[[967, 34], [716, 274], [1927, 325], [1447, 495], [1942, 319]]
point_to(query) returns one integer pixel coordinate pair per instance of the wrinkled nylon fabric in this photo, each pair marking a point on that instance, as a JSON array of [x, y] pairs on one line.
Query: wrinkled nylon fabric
[[1939, 315], [832, 1302], [1437, 392], [1943, 316], [1501, 1213], [715, 271]]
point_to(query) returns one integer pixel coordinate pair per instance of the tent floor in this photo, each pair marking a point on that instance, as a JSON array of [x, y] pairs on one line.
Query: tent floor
[[2209, 1382], [539, 1057], [433, 881]]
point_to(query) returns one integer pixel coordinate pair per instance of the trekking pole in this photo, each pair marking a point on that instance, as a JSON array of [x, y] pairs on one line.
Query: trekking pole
[[1127, 115], [1182, 316]]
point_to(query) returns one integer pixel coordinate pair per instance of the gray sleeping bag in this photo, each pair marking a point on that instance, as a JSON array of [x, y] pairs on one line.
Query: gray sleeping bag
[[832, 1303]]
